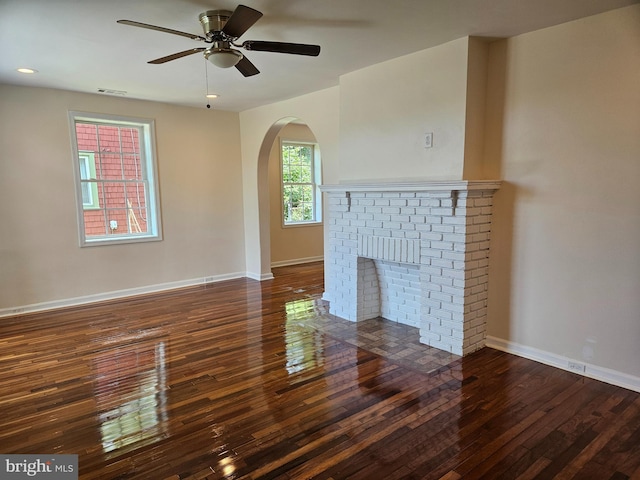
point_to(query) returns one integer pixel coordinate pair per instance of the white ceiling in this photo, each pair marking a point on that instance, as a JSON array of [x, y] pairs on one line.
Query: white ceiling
[[77, 44]]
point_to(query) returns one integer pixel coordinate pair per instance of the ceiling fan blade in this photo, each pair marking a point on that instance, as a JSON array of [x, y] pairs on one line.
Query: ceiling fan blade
[[282, 47], [168, 58], [161, 29], [241, 20], [246, 68]]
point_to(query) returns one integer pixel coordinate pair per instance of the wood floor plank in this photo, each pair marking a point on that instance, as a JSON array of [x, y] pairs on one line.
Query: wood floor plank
[[254, 380]]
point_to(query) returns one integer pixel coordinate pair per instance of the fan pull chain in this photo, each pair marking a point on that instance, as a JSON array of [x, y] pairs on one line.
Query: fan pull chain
[[206, 78]]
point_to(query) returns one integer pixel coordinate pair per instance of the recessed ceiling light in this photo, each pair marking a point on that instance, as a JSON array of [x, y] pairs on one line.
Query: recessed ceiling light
[[211, 95], [26, 70]]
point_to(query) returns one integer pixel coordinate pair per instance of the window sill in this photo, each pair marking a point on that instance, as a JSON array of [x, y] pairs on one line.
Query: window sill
[[302, 224], [102, 241]]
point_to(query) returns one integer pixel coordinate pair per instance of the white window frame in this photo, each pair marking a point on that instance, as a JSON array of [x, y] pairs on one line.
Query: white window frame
[[316, 181], [149, 168]]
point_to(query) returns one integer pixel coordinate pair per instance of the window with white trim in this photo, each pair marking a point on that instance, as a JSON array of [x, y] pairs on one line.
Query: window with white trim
[[116, 180], [301, 198]]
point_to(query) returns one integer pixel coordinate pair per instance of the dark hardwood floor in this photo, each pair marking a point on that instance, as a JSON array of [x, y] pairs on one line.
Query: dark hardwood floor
[[245, 379]]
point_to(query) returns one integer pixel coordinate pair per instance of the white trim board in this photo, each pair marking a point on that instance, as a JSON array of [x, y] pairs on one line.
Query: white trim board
[[596, 372], [260, 276], [129, 292], [414, 186], [296, 261]]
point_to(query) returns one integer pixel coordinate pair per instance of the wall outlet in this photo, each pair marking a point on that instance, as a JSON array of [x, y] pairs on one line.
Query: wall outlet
[[428, 140], [577, 367]]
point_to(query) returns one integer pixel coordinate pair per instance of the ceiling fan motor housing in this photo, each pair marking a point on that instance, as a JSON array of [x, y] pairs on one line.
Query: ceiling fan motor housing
[[213, 21]]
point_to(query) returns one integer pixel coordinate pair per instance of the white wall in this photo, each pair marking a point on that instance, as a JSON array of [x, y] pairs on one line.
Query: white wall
[[386, 109], [565, 136], [201, 193], [260, 127], [477, 77]]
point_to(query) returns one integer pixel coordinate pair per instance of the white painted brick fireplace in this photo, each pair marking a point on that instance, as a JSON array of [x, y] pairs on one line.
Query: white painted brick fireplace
[[414, 253]]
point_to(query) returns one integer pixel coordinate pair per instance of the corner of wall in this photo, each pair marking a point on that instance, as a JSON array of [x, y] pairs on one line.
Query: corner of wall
[[477, 69]]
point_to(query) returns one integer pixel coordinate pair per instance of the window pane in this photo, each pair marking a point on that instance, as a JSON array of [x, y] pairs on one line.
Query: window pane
[[136, 207], [97, 160], [285, 154], [305, 174], [114, 195], [297, 195], [87, 136], [293, 156], [132, 167], [85, 174], [84, 168], [308, 212], [94, 223], [286, 175], [307, 193], [119, 200], [129, 140], [111, 166], [108, 138], [118, 222], [87, 198], [100, 192], [305, 155], [136, 194], [293, 173]]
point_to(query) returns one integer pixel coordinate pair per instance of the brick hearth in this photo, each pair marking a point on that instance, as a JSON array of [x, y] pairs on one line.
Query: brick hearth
[[414, 253]]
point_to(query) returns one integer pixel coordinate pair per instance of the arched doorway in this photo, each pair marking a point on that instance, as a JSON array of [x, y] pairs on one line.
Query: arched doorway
[[283, 239]]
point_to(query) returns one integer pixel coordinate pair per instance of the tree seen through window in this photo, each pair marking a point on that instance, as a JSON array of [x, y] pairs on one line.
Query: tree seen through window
[[298, 183]]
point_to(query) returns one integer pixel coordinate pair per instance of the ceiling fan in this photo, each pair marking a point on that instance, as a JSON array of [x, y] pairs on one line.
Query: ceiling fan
[[221, 29]]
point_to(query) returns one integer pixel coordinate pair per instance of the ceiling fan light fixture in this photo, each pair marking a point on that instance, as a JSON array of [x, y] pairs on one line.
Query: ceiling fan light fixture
[[223, 58]]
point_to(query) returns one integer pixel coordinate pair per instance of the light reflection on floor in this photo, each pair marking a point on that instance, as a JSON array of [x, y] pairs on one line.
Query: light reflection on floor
[[131, 394], [302, 343], [392, 340]]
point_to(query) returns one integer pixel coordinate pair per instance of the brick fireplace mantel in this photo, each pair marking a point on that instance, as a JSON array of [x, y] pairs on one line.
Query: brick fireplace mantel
[[412, 252], [424, 186]]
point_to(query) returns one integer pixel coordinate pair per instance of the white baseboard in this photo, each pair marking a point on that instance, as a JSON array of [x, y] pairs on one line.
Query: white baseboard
[[296, 261], [260, 276], [596, 372], [101, 297], [285, 263]]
